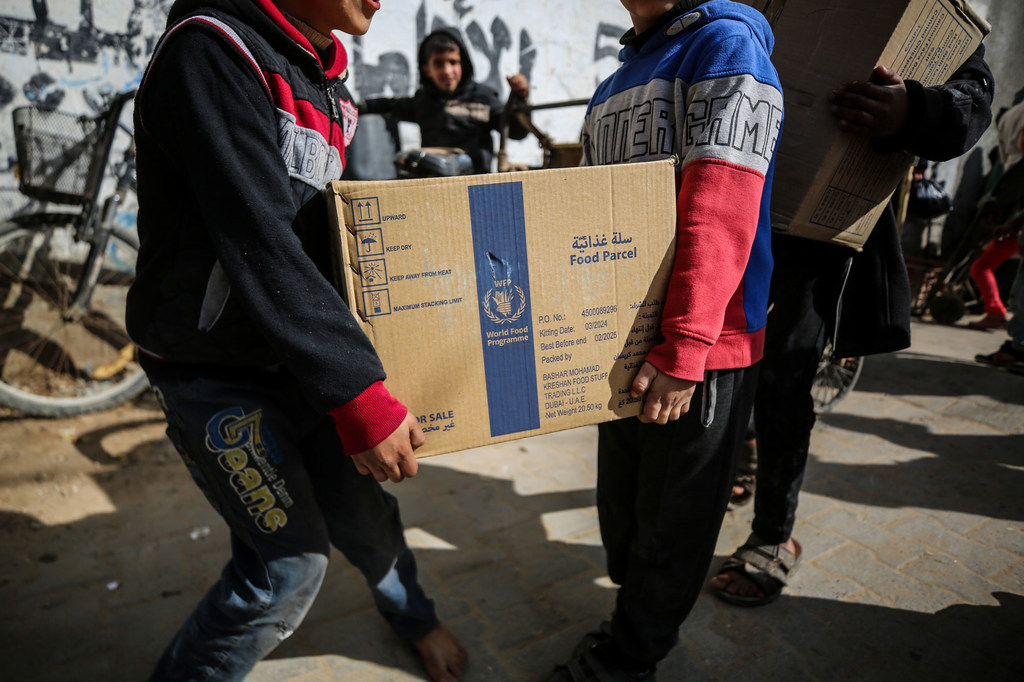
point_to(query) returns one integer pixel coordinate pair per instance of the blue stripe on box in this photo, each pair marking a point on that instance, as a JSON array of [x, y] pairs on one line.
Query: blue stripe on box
[[503, 296]]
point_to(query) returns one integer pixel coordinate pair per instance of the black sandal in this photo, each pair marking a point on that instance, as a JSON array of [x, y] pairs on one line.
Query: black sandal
[[768, 566]]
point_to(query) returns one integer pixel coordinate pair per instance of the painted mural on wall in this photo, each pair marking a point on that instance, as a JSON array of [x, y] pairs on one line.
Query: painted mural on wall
[[73, 54], [68, 55]]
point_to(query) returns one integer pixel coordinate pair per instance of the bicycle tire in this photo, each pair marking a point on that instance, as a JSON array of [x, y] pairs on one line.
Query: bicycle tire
[[53, 365], [834, 379]]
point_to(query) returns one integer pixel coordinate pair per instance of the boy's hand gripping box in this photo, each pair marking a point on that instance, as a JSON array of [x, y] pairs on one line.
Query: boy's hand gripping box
[[513, 304], [829, 185]]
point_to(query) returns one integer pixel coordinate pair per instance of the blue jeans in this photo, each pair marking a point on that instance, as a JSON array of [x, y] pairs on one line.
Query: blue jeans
[[274, 469]]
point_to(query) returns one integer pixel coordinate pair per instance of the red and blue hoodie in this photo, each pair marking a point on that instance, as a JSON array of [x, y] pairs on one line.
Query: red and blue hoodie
[[240, 122], [700, 85]]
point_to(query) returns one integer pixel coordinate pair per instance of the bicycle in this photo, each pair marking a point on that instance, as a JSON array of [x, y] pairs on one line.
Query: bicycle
[[834, 379], [64, 275]]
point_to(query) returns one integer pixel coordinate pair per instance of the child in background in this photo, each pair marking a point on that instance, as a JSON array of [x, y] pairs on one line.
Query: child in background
[[452, 109]]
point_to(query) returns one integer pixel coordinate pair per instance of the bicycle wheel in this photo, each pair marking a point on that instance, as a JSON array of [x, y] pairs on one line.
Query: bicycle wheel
[[52, 363], [834, 380]]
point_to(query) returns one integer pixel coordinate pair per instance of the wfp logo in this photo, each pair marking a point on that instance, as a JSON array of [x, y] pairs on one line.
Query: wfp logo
[[504, 303]]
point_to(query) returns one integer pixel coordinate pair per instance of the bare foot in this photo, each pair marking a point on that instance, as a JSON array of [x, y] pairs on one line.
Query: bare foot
[[735, 582], [442, 655]]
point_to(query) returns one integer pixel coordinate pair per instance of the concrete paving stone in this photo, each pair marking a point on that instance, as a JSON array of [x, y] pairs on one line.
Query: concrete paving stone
[[31, 650], [54, 571], [735, 528], [585, 598], [468, 560], [531, 530], [140, 647], [567, 473], [527, 482], [85, 668], [810, 505], [895, 550], [151, 573], [537, 660], [834, 485], [935, 404], [718, 632], [822, 650], [944, 571], [960, 522], [999, 533], [363, 637], [833, 445], [489, 505], [816, 542], [875, 507], [76, 604], [444, 534], [508, 545], [525, 622], [982, 409], [342, 594], [582, 439], [857, 564], [811, 582], [478, 588], [782, 660], [560, 526], [552, 566], [304, 668], [1011, 578], [685, 663], [984, 560], [954, 643]]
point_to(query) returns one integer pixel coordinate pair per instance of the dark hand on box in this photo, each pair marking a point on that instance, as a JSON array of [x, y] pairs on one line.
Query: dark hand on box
[[393, 458], [665, 397], [877, 107]]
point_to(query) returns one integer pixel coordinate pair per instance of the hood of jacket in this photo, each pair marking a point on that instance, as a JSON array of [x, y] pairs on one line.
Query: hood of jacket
[[687, 19], [467, 61], [265, 17]]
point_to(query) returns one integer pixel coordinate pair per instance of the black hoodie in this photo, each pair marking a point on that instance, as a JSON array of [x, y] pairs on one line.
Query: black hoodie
[[239, 124], [463, 119]]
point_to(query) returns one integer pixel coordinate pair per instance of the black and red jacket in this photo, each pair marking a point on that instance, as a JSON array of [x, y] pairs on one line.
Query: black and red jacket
[[239, 124]]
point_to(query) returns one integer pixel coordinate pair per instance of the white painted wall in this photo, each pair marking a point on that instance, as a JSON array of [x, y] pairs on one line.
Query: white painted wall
[[73, 61]]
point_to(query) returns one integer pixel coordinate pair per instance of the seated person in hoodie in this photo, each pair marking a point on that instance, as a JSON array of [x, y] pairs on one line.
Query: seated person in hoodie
[[452, 110]]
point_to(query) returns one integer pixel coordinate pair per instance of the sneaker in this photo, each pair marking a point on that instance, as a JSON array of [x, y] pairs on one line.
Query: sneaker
[[989, 322], [1007, 356]]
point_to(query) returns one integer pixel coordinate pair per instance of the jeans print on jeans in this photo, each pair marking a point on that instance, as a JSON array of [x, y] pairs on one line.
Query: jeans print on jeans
[[247, 454]]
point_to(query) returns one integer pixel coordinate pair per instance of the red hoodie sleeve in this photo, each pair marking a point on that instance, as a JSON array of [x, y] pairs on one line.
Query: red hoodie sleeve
[[730, 124], [717, 214]]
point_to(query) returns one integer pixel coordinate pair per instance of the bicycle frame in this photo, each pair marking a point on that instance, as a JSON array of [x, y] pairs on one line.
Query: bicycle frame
[[85, 221], [517, 108]]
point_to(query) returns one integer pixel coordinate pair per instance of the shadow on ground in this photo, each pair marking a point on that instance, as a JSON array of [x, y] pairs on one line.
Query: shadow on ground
[[99, 598]]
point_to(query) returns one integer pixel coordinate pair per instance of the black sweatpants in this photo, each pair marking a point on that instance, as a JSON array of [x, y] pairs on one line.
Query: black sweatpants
[[662, 492]]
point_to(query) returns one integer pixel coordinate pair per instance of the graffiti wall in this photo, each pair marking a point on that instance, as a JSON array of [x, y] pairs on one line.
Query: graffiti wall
[[71, 55]]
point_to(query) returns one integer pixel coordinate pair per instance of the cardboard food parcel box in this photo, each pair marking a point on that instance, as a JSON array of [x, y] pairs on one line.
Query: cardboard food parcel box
[[829, 185], [511, 304]]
